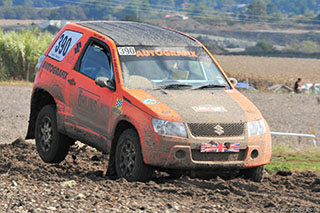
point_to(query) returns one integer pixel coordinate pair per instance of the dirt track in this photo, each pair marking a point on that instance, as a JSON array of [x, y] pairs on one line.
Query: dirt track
[[27, 184]]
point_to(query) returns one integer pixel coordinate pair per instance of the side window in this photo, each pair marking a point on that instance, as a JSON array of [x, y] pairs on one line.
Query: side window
[[96, 62]]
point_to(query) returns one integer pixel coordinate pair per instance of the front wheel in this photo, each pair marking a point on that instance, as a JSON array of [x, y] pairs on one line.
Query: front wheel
[[51, 145], [129, 162], [255, 174]]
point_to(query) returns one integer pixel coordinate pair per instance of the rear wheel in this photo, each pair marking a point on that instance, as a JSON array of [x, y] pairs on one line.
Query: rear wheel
[[255, 174], [51, 145], [129, 162]]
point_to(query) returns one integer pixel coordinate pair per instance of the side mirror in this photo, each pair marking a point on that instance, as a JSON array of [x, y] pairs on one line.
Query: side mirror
[[105, 82], [233, 81]]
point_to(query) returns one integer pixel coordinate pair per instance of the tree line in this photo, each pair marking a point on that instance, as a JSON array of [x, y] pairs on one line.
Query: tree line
[[118, 9]]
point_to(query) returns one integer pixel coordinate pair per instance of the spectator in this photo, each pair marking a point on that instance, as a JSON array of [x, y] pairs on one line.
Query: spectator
[[314, 89], [297, 86]]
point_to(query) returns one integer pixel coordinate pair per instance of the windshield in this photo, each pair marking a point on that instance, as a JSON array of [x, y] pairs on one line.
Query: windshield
[[172, 67]]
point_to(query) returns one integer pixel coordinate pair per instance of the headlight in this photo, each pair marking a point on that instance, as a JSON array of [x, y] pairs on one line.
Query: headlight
[[256, 128], [164, 127]]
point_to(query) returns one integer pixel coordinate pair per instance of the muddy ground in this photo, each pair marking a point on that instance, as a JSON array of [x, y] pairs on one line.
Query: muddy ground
[[78, 183]]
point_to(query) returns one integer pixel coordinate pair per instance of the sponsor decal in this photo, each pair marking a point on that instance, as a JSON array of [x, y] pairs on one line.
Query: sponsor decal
[[209, 108], [126, 51], [119, 103], [114, 60], [220, 147], [184, 53], [117, 108], [87, 100], [77, 48], [150, 101], [99, 36], [64, 44], [166, 112], [55, 70]]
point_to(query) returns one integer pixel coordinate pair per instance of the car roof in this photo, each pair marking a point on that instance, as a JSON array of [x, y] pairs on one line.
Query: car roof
[[125, 33]]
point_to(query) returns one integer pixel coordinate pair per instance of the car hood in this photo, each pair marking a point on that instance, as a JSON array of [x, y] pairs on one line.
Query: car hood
[[202, 106], [197, 106]]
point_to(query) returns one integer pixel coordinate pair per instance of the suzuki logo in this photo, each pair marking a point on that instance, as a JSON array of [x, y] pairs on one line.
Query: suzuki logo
[[218, 130]]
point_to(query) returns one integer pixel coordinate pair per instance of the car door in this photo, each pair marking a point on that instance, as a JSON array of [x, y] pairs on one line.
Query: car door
[[91, 104]]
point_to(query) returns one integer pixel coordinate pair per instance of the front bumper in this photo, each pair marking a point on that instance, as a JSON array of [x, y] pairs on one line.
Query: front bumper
[[180, 153]]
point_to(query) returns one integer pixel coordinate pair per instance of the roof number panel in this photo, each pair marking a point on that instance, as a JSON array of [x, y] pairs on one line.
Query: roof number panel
[[126, 51], [64, 44]]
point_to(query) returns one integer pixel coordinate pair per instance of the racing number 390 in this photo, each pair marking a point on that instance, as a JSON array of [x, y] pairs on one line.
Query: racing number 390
[[126, 51], [63, 44]]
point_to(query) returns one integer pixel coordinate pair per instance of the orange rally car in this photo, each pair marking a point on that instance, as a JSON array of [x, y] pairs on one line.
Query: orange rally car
[[153, 98]]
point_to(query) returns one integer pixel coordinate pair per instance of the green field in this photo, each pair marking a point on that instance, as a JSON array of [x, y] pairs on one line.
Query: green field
[[285, 158]]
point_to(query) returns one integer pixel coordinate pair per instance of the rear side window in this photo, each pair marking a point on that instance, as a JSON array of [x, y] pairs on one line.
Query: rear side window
[[64, 44], [96, 62]]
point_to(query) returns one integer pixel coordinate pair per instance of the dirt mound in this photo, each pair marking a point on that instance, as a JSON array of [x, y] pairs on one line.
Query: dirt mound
[[79, 184]]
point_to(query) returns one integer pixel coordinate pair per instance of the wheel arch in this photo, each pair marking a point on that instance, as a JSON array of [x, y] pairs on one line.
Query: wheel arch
[[120, 127], [40, 98]]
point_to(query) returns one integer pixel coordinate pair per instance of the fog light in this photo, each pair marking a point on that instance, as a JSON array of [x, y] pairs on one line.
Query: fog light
[[254, 154], [180, 154]]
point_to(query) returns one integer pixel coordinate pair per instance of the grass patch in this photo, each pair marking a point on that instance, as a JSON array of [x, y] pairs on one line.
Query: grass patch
[[16, 83], [286, 158]]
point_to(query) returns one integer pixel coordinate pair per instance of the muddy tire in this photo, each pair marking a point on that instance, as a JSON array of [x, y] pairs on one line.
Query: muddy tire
[[51, 145], [255, 174], [129, 162]]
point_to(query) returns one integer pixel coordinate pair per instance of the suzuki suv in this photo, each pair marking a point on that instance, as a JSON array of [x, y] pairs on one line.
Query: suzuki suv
[[153, 98]]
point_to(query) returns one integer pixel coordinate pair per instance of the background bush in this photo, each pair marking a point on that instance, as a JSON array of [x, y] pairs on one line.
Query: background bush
[[19, 53], [303, 47], [261, 47]]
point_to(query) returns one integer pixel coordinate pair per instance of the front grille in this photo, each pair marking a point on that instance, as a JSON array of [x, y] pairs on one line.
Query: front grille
[[216, 129], [218, 156]]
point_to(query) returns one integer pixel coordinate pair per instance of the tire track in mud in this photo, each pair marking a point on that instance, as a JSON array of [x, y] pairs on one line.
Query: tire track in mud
[[79, 184]]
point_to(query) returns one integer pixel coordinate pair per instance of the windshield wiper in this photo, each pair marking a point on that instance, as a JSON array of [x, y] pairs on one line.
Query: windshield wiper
[[174, 86], [210, 86]]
